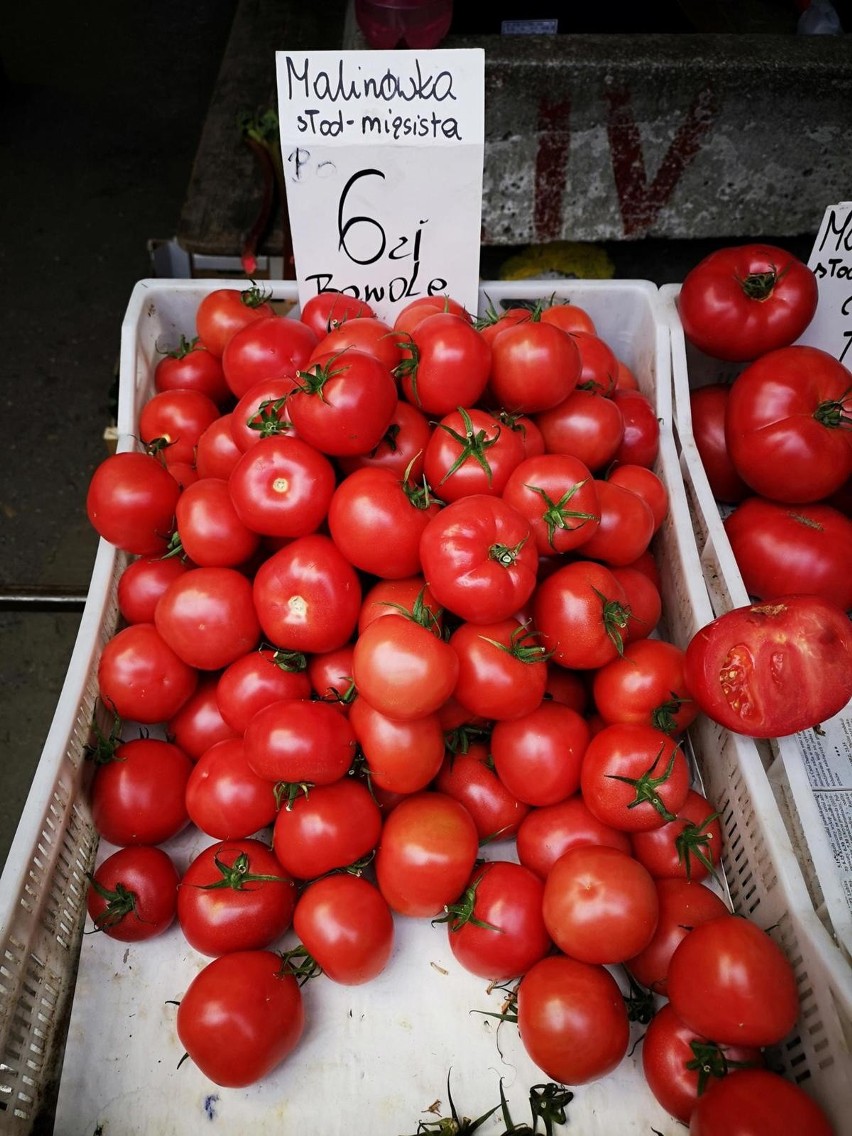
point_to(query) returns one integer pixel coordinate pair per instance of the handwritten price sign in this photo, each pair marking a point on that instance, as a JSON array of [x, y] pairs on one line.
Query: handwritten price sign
[[831, 262], [383, 157]]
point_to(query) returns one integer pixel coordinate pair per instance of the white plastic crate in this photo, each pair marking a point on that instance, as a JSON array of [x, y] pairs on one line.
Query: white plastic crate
[[811, 772], [373, 1058]]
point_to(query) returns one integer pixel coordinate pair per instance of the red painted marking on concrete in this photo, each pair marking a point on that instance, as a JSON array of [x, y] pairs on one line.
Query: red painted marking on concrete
[[640, 202], [551, 161]]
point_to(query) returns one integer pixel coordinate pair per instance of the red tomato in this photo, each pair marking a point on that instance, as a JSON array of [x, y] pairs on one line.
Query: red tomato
[[262, 412], [688, 847], [534, 366], [683, 905], [494, 322], [172, 421], [679, 1065], [445, 364], [282, 487], [502, 668], [138, 796], [586, 426], [545, 833], [403, 669], [784, 550], [707, 406], [369, 334], [132, 895], [142, 583], [207, 617], [471, 451], [599, 366], [131, 502], [646, 484], [376, 519], [572, 1019], [307, 595], [217, 453], [224, 311], [786, 424], [470, 778], [191, 366], [559, 497], [599, 904], [140, 677], [240, 1017], [300, 741], [640, 443], [753, 1102], [401, 755], [730, 981], [273, 347], [235, 896], [225, 798], [634, 777], [332, 826], [401, 449], [347, 927], [646, 685], [328, 310], [344, 403], [496, 929], [771, 669], [330, 677], [538, 756], [199, 723], [567, 315], [211, 532], [408, 596], [426, 854], [257, 678], [581, 612], [625, 527], [740, 302], [644, 602], [478, 558]]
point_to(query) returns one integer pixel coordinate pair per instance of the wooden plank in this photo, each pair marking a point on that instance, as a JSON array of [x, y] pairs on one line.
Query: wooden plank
[[226, 187]]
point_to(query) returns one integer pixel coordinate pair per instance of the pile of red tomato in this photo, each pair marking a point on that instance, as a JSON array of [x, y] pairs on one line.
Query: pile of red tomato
[[391, 601], [776, 444]]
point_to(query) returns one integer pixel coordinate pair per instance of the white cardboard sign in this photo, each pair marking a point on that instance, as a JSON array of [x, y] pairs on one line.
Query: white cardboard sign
[[831, 262], [383, 158]]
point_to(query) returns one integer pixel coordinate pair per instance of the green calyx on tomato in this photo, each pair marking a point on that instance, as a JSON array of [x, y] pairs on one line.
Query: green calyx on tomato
[[120, 902], [523, 645], [238, 874], [457, 914], [692, 842], [615, 618], [474, 445], [268, 420], [557, 516], [646, 785]]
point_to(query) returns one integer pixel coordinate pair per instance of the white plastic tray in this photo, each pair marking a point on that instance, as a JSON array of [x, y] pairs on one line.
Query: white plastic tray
[[811, 772], [373, 1058]]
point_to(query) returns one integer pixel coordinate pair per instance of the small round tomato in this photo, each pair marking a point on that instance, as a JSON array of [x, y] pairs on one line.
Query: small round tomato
[[634, 776], [535, 365], [271, 347], [585, 425], [138, 796], [645, 483], [262, 412], [217, 453], [679, 1065], [257, 678], [640, 443], [683, 905], [502, 668], [133, 894], [688, 847], [546, 832], [369, 334], [753, 1102], [191, 366], [235, 896], [747, 994], [332, 826], [142, 583], [131, 502], [559, 497], [471, 451], [328, 310], [401, 755], [771, 669], [707, 407], [240, 1017], [211, 532], [625, 526], [599, 366], [445, 364], [225, 798], [538, 756], [402, 668], [345, 924], [581, 612], [223, 311], [300, 741], [599, 905], [426, 854], [140, 677], [174, 420], [402, 447], [496, 929], [572, 1019], [207, 617], [199, 723], [470, 777], [479, 558], [567, 315], [282, 487], [646, 685]]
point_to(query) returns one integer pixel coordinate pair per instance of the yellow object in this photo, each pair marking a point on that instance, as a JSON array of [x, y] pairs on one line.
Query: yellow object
[[559, 260]]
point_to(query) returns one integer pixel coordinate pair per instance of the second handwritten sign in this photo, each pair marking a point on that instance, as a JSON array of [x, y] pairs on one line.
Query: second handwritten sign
[[383, 158]]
